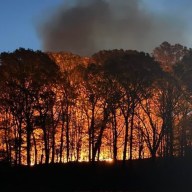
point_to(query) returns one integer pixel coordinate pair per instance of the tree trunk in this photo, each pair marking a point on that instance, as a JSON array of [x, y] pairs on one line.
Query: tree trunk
[[20, 141], [35, 148], [53, 147], [61, 141], [29, 128], [114, 127], [125, 140], [92, 133], [99, 139], [46, 145], [131, 134], [67, 137]]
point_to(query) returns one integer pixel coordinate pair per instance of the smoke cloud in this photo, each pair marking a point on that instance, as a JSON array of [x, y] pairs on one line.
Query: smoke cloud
[[87, 26]]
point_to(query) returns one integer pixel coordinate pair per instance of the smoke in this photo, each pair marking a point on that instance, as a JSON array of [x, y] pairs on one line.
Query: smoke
[[87, 26]]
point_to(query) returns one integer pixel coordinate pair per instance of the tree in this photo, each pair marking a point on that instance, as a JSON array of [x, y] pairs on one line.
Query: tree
[[23, 74], [182, 72], [67, 95], [169, 55], [134, 71], [151, 125]]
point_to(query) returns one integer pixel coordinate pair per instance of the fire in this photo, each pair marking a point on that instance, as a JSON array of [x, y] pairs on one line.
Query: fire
[[110, 160]]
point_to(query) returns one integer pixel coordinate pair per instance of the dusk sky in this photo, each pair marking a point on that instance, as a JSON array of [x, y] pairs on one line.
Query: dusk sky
[[87, 26]]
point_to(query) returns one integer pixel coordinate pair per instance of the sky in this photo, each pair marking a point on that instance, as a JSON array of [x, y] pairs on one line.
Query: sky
[[87, 26]]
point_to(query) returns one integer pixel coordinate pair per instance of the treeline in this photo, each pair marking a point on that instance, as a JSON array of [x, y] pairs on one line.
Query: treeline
[[116, 105]]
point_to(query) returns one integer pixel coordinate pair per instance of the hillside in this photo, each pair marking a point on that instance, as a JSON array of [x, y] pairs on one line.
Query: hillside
[[145, 175]]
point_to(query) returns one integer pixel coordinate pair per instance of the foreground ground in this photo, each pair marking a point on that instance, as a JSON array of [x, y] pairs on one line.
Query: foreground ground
[[136, 176]]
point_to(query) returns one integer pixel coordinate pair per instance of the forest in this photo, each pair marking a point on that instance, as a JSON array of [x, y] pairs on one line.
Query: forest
[[115, 105]]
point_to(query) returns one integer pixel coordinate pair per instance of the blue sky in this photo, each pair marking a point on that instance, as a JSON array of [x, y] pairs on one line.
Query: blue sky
[[19, 19]]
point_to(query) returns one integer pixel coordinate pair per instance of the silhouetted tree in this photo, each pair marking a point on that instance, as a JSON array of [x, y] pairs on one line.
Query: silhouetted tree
[[168, 55], [67, 95], [182, 72], [25, 73], [134, 72]]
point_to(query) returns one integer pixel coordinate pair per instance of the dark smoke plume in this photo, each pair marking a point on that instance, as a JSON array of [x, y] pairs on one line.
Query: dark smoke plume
[[87, 26]]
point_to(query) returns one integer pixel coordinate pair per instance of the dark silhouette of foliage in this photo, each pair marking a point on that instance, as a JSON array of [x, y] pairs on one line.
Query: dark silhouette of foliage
[[23, 74], [62, 107]]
